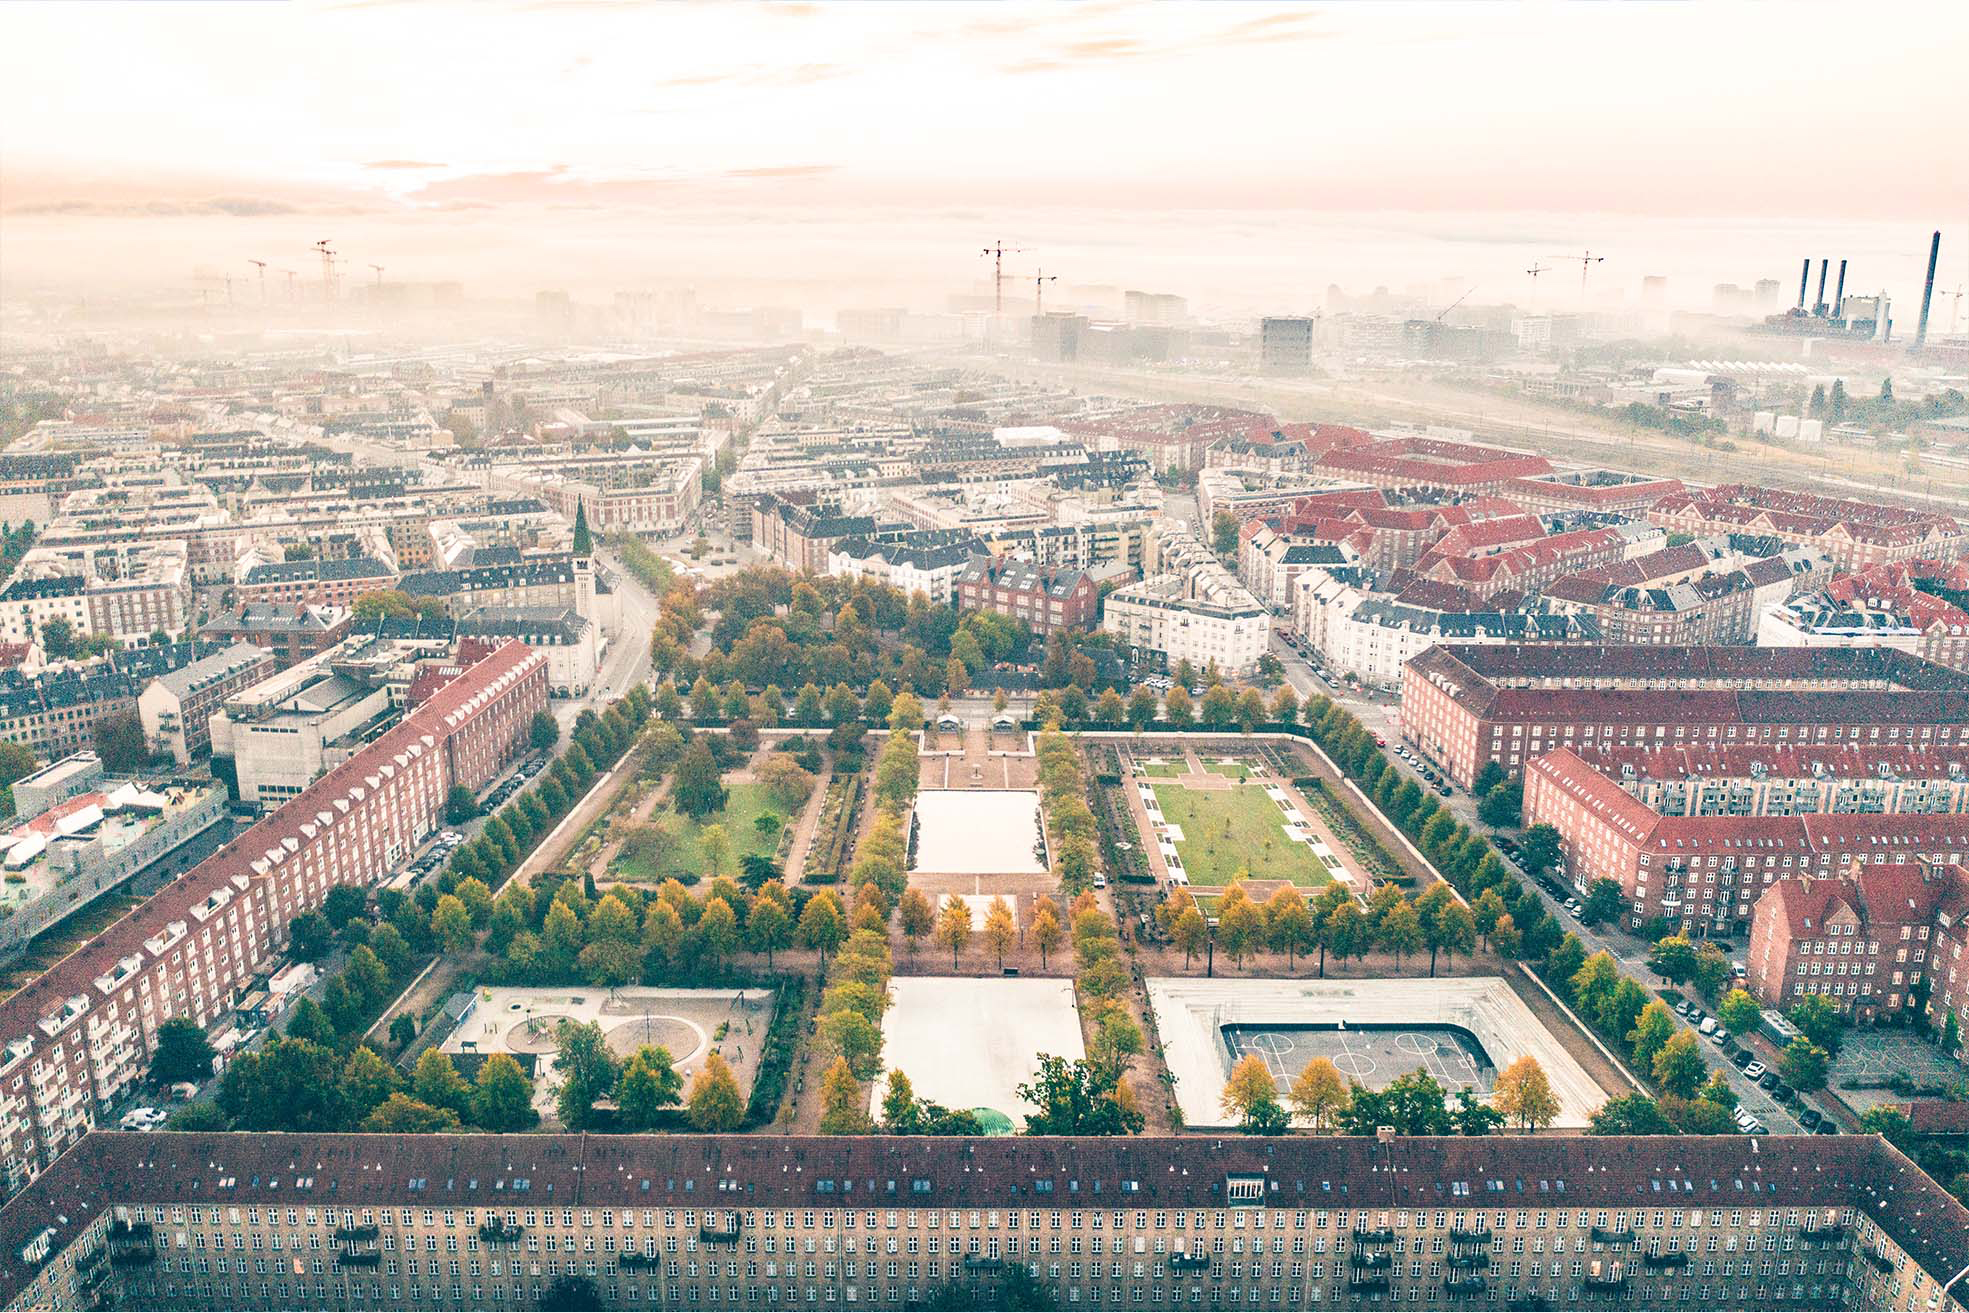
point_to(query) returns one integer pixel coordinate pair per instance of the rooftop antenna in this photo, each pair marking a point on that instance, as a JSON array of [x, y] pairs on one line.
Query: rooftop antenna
[[1039, 290], [998, 250], [1586, 261], [261, 265]]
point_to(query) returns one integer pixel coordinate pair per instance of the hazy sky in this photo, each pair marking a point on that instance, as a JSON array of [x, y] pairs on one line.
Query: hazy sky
[[570, 138]]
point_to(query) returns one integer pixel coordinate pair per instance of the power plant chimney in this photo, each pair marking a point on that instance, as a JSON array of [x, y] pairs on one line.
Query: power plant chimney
[[1804, 277], [1818, 306], [1839, 296], [1928, 291]]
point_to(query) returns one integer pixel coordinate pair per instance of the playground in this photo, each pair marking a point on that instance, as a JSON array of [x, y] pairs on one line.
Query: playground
[[1372, 1055]]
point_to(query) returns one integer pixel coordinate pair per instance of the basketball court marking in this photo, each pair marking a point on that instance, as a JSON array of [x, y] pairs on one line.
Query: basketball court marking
[[1450, 1064]]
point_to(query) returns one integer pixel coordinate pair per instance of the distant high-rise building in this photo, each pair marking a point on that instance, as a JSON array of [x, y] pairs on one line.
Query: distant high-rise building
[[1155, 308], [1285, 345], [553, 311], [1057, 336], [1654, 290], [1770, 295]]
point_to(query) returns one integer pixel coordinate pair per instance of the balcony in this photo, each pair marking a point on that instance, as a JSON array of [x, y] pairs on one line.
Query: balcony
[[1474, 1236], [494, 1232], [712, 1235], [1465, 1286], [634, 1260], [1669, 1258], [139, 1256], [1372, 1262], [1880, 1260], [1474, 1262], [1608, 1279], [359, 1258], [1379, 1236], [350, 1233], [1613, 1236], [1361, 1284], [979, 1263], [1189, 1262], [1823, 1236]]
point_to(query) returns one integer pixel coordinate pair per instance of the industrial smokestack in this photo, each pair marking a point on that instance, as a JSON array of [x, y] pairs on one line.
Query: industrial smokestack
[[1804, 278], [1839, 294], [1825, 267], [1928, 291]]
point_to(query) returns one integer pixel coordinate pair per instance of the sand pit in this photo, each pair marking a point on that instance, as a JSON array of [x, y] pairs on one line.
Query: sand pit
[[686, 1040], [536, 1034], [977, 832]]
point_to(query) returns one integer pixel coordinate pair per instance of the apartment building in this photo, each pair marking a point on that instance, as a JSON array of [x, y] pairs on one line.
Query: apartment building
[[1416, 460], [1686, 596], [1866, 939], [1604, 492], [291, 633], [682, 1222], [798, 529], [1880, 606], [78, 1037], [1466, 706], [1854, 534], [54, 711], [176, 708], [1766, 780], [314, 583], [1046, 598], [1708, 871], [561, 580], [925, 561]]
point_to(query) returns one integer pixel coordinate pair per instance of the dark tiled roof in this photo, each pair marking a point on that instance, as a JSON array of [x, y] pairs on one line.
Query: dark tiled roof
[[276, 572]]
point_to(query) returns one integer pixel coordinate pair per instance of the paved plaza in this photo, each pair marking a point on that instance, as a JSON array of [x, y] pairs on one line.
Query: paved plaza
[[978, 832], [970, 1043]]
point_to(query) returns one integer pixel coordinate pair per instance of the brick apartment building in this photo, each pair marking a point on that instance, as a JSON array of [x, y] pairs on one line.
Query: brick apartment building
[[1708, 871], [291, 633], [1408, 462], [1855, 534], [797, 529], [203, 1221], [321, 583], [1606, 492], [1046, 598], [79, 1036], [1876, 940], [1464, 706]]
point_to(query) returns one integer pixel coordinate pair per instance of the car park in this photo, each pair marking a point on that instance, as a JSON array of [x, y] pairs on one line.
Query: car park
[[1782, 1093], [1810, 1118], [1756, 1070], [1769, 1080], [1741, 1058]]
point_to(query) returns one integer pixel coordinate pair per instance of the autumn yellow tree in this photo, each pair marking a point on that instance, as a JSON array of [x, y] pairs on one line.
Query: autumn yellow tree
[[841, 1103], [1046, 931], [1524, 1094], [1319, 1092], [916, 917], [1250, 1086], [954, 927], [1000, 930]]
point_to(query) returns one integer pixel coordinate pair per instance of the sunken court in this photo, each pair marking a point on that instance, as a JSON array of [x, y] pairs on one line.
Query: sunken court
[[1371, 1055]]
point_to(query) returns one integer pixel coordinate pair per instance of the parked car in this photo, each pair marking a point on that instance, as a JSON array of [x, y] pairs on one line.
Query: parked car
[[1681, 1005], [144, 1119], [1769, 1080], [1756, 1070], [1443, 789], [451, 837], [1100, 880], [1741, 1058], [1697, 1016], [1782, 1093], [1827, 1127], [1810, 1118], [1715, 1032]]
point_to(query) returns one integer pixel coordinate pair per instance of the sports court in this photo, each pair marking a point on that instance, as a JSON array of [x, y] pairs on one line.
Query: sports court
[[978, 832], [1372, 1055]]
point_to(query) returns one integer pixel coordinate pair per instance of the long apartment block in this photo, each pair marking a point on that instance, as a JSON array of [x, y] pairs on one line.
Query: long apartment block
[[262, 1221], [80, 1035]]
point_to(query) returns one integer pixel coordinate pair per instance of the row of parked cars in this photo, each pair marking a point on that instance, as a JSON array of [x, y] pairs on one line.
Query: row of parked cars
[[1422, 768], [1746, 1062]]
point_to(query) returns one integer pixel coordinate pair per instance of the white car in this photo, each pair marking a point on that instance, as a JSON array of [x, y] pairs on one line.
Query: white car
[[144, 1119], [451, 837], [1755, 1070]]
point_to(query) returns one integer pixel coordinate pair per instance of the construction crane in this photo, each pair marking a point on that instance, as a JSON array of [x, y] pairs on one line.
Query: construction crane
[[291, 276], [1586, 261], [261, 265], [998, 251], [379, 273], [327, 269], [1535, 270], [1039, 290], [1453, 304]]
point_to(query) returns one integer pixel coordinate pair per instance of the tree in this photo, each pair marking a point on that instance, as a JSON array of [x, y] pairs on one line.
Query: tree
[[1673, 958], [309, 936], [119, 740], [821, 925], [182, 1053], [460, 805], [1346, 933], [768, 928], [1803, 1064], [1452, 932], [452, 924], [402, 1115], [1678, 1064], [1603, 902], [953, 927], [1288, 924], [1077, 1098], [1540, 850], [1891, 1124], [588, 1071], [310, 1023], [1629, 1114], [289, 1085], [1223, 533], [1249, 1086], [649, 1083], [1739, 1012], [717, 930], [1524, 1094], [1000, 930], [1141, 708], [916, 918], [843, 1110], [1594, 980], [1400, 931], [696, 791], [1819, 1020], [1177, 709], [436, 1081], [1652, 1029], [543, 731], [1318, 1092], [1620, 1008], [1414, 1104], [1240, 924], [1189, 932], [1045, 930], [570, 1294], [403, 1030], [715, 1102], [502, 1097]]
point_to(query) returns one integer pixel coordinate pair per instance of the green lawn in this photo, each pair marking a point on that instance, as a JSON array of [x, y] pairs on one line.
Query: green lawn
[[1225, 829], [1236, 770], [1162, 770], [683, 855]]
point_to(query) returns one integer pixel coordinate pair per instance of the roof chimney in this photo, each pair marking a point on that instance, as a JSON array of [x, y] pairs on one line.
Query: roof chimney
[[1839, 294], [1928, 291], [1804, 278], [1818, 304]]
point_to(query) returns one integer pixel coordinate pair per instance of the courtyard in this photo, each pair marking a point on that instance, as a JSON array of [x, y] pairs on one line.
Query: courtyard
[[970, 1043], [1460, 1030], [978, 832], [690, 1023]]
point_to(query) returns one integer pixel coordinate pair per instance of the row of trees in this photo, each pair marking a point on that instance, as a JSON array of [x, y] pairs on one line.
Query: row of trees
[[1414, 1103], [1332, 922], [1070, 821], [645, 1088], [299, 1084]]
